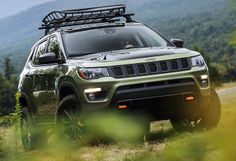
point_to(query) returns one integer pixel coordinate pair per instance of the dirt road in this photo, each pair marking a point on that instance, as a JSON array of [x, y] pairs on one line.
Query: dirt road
[[228, 95]]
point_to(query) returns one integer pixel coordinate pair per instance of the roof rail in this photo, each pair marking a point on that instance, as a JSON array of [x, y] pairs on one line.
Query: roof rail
[[58, 19]]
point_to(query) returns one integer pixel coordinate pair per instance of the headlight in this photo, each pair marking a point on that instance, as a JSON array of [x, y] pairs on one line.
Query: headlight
[[198, 61], [93, 73]]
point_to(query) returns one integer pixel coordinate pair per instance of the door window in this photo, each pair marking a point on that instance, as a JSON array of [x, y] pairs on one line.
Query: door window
[[40, 51], [53, 46]]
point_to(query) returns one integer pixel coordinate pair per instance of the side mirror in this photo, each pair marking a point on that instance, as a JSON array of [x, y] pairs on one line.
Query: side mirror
[[48, 58], [177, 42]]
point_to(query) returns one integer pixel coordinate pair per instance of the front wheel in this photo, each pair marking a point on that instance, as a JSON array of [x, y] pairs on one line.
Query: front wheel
[[69, 119], [206, 120]]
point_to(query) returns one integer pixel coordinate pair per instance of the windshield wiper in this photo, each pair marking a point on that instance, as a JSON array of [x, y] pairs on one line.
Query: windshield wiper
[[81, 54]]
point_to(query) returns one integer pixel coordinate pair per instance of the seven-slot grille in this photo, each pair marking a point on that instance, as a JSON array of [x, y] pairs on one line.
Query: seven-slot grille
[[150, 68]]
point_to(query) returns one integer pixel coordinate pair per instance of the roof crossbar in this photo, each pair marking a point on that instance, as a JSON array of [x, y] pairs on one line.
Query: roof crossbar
[[103, 14]]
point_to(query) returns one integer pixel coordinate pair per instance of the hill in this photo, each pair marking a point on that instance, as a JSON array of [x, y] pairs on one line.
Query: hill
[[205, 24], [11, 7]]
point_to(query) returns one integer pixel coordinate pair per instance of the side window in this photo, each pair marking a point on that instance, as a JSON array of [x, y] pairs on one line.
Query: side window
[[53, 46], [40, 51], [32, 53]]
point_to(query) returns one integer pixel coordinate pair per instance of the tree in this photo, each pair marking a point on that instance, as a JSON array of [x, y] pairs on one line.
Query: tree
[[8, 87], [9, 69]]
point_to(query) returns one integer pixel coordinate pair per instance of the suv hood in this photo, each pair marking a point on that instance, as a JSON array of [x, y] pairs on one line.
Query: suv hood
[[133, 54]]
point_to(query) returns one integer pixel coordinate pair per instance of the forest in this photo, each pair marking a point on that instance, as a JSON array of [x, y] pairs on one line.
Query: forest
[[8, 87], [213, 34]]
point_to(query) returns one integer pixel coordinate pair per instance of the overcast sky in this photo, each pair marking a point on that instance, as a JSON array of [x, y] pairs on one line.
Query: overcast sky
[[10, 7]]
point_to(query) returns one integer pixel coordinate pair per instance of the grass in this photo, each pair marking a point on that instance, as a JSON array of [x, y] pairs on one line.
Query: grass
[[163, 144]]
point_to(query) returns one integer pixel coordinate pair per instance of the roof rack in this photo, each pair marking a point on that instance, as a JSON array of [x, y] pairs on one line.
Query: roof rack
[[103, 14]]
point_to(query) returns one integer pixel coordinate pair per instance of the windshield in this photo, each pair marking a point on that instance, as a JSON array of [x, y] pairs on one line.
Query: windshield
[[110, 39]]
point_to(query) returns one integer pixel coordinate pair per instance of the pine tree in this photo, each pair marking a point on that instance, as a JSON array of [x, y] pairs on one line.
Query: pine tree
[[9, 69], [8, 86]]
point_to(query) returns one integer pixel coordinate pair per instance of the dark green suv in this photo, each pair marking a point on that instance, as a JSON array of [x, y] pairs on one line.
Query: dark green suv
[[100, 59]]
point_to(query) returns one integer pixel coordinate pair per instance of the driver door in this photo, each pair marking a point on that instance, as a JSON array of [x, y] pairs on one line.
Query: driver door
[[45, 76]]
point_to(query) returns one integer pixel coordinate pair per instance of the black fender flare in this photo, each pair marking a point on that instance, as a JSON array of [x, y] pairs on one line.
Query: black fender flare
[[31, 105], [66, 84]]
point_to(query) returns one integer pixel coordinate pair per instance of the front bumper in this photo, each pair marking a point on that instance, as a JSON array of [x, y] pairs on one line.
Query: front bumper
[[161, 100], [156, 94]]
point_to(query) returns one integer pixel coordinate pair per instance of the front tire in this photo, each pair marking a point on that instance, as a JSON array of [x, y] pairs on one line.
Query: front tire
[[208, 119], [69, 122]]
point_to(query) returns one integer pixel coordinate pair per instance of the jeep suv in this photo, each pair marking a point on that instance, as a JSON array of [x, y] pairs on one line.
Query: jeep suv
[[98, 59]]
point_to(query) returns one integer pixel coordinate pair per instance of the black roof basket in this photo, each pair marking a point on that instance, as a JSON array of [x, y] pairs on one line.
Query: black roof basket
[[58, 19]]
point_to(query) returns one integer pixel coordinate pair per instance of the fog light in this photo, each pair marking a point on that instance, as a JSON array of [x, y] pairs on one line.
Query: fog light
[[96, 94], [204, 80], [92, 90], [91, 96], [204, 83]]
